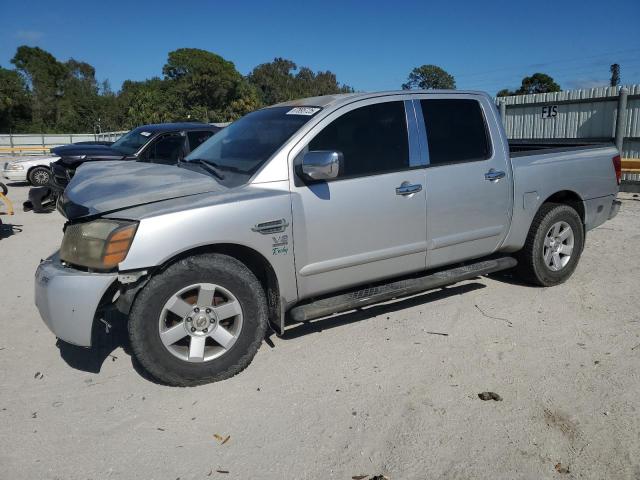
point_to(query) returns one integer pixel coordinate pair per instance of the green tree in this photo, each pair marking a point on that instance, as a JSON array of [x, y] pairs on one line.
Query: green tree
[[280, 80], [15, 102], [205, 82], [44, 94], [150, 101], [538, 83], [615, 75], [79, 105], [45, 77], [275, 80], [429, 77], [247, 100], [505, 92], [111, 116]]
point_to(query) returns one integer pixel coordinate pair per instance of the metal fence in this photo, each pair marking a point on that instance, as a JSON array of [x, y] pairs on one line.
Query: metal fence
[[611, 113], [38, 144], [596, 114]]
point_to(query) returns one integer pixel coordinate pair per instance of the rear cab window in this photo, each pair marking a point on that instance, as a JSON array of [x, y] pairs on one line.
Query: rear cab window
[[456, 131]]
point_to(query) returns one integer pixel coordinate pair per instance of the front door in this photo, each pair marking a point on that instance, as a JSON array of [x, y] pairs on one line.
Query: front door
[[370, 222], [468, 179]]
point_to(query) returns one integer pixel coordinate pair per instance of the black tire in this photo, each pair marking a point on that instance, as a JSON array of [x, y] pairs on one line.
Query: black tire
[[531, 265], [144, 334], [4, 188], [39, 176]]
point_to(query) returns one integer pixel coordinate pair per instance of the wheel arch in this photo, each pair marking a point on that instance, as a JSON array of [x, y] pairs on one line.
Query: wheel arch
[[570, 198], [522, 222], [254, 261], [32, 168]]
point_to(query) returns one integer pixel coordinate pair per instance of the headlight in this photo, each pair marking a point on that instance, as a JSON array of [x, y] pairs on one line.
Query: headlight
[[14, 166], [100, 245]]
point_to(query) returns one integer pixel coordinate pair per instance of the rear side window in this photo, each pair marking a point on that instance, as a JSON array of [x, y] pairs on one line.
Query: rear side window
[[198, 138], [373, 139], [456, 131]]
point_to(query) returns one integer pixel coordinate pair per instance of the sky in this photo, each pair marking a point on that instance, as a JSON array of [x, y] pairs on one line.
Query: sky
[[373, 45]]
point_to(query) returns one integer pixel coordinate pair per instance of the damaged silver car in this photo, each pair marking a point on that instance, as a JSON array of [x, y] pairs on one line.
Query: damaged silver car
[[309, 208]]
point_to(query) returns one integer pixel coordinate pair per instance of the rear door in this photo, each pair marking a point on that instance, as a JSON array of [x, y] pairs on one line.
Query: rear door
[[468, 177], [366, 224]]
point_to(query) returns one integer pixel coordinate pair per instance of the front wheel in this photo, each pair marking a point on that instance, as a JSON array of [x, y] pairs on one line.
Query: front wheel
[[201, 320], [39, 176], [553, 246]]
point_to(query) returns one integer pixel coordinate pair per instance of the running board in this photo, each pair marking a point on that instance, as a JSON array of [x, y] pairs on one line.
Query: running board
[[401, 288]]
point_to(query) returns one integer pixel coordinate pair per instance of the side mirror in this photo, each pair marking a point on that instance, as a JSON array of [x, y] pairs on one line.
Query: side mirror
[[321, 165]]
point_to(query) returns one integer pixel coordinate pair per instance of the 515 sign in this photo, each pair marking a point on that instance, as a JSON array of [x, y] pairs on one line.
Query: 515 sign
[[549, 111]]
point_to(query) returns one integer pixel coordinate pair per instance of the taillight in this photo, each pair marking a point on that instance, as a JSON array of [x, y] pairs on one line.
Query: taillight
[[617, 166]]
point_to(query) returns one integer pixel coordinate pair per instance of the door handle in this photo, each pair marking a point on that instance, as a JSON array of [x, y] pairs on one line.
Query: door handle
[[494, 175], [408, 188]]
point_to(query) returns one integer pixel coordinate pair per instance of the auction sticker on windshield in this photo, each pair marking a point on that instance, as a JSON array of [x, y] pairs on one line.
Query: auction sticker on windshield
[[145, 134], [303, 111]]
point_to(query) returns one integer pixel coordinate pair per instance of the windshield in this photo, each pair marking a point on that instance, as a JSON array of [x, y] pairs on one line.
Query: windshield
[[132, 141], [239, 150]]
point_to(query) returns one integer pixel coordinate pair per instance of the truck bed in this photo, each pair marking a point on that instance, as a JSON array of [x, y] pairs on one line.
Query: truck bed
[[518, 148], [577, 167]]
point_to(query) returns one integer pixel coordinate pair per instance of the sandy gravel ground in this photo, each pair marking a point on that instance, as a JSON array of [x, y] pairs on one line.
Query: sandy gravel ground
[[377, 392]]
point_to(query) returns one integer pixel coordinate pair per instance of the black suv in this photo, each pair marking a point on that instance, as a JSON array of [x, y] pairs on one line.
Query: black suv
[[165, 143]]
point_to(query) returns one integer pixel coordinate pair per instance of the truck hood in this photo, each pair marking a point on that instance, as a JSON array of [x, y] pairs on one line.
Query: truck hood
[[103, 187], [71, 154]]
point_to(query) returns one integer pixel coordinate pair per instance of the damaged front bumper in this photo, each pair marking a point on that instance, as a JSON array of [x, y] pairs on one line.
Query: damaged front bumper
[[68, 299]]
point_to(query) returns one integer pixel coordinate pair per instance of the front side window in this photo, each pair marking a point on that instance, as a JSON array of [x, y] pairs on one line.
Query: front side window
[[456, 131], [372, 139]]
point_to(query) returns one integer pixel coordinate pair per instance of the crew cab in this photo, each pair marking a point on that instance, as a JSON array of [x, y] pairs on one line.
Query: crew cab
[[308, 208]]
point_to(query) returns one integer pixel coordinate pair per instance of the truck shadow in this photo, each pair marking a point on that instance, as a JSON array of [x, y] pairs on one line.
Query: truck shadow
[[511, 278], [339, 320], [102, 350], [8, 229], [105, 344]]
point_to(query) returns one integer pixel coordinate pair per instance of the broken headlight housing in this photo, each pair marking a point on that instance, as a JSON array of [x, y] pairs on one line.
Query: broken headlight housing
[[98, 245]]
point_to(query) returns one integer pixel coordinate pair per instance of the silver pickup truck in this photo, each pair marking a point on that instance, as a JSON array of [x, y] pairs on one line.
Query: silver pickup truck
[[308, 208]]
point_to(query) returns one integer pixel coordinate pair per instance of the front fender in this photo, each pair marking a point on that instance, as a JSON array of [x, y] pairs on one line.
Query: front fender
[[174, 226]]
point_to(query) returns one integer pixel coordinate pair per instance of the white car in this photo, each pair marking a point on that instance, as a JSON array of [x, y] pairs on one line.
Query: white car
[[34, 170]]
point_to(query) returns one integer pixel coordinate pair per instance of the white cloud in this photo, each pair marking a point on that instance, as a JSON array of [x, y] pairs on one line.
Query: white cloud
[[29, 35]]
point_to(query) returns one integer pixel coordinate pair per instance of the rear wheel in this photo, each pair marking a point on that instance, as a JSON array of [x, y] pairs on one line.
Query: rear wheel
[[553, 247], [39, 176], [201, 320]]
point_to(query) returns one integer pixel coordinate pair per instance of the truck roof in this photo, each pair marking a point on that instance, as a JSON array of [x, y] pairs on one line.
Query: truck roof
[[341, 98]]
